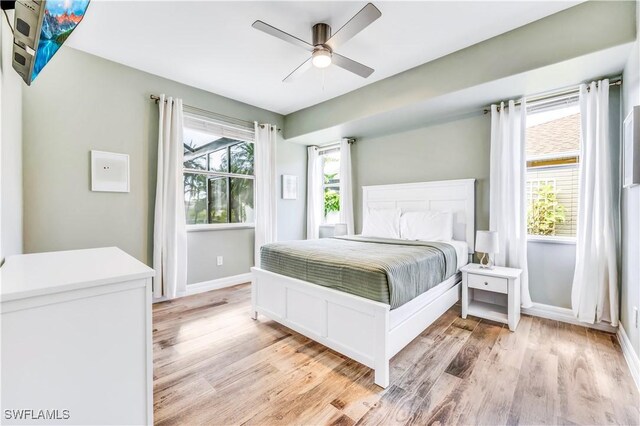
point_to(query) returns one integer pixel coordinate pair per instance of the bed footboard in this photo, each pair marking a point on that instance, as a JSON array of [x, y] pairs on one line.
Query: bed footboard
[[351, 325]]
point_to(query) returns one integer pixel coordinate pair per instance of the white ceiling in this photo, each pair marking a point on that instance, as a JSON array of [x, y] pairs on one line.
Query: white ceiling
[[211, 45]]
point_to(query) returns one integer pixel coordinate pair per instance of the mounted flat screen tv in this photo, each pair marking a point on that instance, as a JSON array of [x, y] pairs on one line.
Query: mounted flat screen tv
[[41, 27]]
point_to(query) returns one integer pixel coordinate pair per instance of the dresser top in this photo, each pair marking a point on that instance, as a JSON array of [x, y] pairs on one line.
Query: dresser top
[[30, 275]]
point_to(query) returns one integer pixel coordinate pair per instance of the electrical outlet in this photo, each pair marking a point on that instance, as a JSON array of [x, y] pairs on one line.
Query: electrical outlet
[[635, 316], [220, 260]]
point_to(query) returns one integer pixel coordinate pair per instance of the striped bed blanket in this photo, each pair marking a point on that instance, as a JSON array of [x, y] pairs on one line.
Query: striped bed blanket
[[385, 270]]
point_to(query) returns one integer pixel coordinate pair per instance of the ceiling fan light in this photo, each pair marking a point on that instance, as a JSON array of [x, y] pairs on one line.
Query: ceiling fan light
[[321, 58]]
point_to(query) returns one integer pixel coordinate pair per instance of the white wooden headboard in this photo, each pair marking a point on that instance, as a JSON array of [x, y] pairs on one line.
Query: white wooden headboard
[[455, 195]]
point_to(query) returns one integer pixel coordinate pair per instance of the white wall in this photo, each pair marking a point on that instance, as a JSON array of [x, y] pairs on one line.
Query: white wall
[[630, 286], [10, 149]]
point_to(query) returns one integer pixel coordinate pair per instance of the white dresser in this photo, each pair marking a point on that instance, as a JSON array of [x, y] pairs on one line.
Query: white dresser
[[76, 338]]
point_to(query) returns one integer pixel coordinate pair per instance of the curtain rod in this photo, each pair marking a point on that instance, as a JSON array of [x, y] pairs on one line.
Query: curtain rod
[[248, 124], [334, 145], [614, 81], [277, 128]]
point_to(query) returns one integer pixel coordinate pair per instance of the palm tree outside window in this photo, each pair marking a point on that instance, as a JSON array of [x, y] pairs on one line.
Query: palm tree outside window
[[218, 179]]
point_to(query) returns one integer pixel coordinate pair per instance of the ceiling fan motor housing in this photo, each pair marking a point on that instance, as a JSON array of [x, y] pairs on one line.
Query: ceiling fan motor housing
[[320, 34]]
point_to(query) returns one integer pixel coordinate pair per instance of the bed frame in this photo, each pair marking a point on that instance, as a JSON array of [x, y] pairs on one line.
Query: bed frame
[[360, 328]]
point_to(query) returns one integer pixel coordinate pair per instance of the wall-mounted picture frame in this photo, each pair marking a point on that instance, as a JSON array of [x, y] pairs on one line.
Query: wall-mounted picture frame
[[631, 149], [289, 187], [109, 172]]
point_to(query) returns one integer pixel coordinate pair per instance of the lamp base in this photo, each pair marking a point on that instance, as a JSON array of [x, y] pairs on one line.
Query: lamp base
[[485, 261]]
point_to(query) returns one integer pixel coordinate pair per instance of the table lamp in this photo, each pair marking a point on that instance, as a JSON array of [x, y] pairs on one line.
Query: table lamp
[[487, 244]]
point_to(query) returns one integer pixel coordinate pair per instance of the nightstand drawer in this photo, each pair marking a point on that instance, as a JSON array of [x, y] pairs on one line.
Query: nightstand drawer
[[482, 282]]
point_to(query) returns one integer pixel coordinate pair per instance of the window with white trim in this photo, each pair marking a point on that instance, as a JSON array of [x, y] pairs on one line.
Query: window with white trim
[[218, 172], [553, 158], [331, 185]]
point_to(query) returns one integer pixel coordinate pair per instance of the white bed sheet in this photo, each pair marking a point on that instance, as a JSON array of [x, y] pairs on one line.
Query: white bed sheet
[[462, 252]]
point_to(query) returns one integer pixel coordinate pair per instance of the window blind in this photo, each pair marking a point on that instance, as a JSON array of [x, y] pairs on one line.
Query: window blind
[[553, 103], [220, 127]]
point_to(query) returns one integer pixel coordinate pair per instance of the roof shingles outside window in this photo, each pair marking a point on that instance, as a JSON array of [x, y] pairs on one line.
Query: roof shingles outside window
[[559, 136]]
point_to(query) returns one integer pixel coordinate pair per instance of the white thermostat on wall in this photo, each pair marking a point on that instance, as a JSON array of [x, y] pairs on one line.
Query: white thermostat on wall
[[109, 172]]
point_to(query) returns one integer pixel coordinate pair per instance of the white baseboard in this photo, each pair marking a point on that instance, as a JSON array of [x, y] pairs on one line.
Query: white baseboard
[[630, 355], [563, 315], [219, 283]]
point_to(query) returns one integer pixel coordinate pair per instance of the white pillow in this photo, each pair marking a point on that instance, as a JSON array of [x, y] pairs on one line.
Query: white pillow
[[428, 225], [382, 223]]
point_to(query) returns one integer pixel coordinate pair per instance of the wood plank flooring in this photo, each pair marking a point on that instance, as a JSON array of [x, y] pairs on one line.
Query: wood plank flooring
[[214, 365]]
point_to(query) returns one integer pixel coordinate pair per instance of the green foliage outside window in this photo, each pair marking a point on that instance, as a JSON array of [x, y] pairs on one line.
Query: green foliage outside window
[[195, 189], [331, 196], [241, 190], [331, 201], [544, 212]]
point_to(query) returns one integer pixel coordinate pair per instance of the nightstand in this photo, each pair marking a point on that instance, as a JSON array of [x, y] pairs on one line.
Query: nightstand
[[497, 280]]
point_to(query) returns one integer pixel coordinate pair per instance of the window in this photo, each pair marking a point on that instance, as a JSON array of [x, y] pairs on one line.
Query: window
[[553, 156], [331, 185], [218, 174]]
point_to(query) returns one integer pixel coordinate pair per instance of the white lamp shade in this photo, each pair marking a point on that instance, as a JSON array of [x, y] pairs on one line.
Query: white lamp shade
[[340, 229], [487, 242]]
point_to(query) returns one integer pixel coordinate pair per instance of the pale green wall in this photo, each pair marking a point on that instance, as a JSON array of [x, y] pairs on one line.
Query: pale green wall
[[83, 102], [630, 286], [236, 246], [292, 219], [551, 268], [451, 150], [10, 150]]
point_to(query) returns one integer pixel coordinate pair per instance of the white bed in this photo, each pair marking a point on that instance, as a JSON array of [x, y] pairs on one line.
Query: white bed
[[362, 329]]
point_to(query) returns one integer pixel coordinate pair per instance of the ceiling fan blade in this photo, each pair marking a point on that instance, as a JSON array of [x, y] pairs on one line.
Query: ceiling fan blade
[[351, 65], [302, 68], [359, 22], [264, 27]]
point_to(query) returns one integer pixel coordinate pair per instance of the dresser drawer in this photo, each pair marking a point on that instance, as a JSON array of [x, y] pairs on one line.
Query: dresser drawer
[[495, 284]]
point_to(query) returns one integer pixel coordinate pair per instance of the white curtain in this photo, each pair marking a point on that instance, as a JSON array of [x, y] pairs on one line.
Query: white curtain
[[169, 228], [266, 230], [507, 198], [314, 192], [346, 186], [594, 295]]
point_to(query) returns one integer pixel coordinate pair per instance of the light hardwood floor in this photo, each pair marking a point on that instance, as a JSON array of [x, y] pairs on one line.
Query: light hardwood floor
[[214, 365]]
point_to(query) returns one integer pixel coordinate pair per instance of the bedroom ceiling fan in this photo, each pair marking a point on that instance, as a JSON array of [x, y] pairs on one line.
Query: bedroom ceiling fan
[[324, 43]]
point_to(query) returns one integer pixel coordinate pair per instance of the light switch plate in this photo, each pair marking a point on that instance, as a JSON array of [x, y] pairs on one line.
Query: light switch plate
[[109, 172]]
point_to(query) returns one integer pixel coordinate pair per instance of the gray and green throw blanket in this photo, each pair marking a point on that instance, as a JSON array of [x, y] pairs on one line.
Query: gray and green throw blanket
[[385, 270]]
